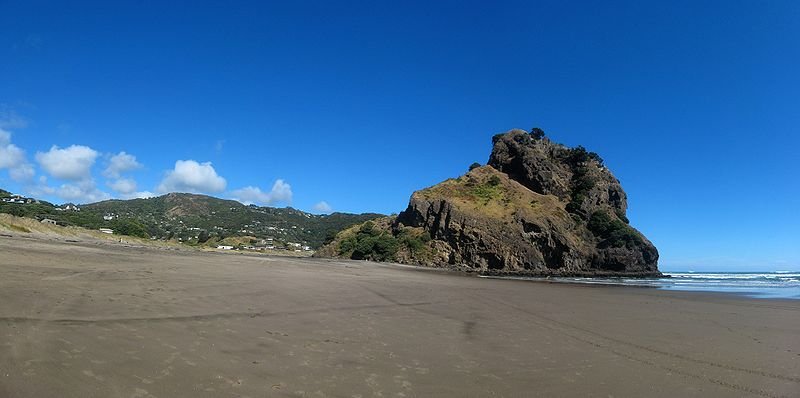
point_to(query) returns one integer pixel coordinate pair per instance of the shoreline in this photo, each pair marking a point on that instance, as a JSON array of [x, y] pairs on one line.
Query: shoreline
[[521, 273]]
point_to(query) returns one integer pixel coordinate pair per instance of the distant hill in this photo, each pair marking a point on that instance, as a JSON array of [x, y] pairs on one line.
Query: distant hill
[[538, 208], [197, 219]]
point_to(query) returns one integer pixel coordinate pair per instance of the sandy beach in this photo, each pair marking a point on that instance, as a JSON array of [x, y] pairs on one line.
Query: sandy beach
[[93, 319]]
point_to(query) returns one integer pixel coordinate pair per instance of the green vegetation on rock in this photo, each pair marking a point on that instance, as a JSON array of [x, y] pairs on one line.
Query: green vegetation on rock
[[612, 231], [537, 133], [378, 241]]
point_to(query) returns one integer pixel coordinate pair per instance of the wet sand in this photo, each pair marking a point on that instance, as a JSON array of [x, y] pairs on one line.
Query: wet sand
[[88, 319]]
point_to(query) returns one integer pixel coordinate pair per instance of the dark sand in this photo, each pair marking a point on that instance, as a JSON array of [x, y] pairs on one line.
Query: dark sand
[[92, 320]]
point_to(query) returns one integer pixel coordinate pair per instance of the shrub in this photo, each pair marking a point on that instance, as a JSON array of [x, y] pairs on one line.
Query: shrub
[[487, 191], [371, 243], [612, 231], [522, 138], [414, 242], [367, 228], [621, 215], [16, 210], [594, 156], [203, 236], [600, 223], [329, 237], [130, 228], [474, 166], [382, 247], [581, 183], [578, 155], [574, 207], [537, 133], [347, 245]]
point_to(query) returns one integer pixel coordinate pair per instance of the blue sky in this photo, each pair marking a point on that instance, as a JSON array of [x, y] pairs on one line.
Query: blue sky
[[693, 105]]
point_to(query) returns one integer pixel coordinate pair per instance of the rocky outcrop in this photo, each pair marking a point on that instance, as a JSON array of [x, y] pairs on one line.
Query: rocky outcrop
[[574, 175], [538, 208]]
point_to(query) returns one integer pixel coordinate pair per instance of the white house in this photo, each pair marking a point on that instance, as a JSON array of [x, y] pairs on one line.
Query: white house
[[18, 199], [49, 221], [224, 247], [106, 230]]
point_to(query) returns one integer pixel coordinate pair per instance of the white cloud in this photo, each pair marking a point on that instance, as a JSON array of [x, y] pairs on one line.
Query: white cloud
[[249, 195], [13, 159], [281, 192], [140, 195], [124, 186], [121, 163], [71, 163], [22, 172], [40, 188], [191, 176], [322, 207], [10, 154], [83, 191]]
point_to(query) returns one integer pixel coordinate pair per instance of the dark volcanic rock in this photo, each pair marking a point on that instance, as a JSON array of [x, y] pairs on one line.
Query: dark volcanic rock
[[539, 208], [553, 169]]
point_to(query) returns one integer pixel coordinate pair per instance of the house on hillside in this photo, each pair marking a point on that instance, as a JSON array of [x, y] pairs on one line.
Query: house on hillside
[[49, 221], [106, 230], [18, 199]]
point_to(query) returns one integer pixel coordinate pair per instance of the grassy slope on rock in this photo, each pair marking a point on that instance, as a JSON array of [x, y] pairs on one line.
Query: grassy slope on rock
[[483, 194], [486, 192]]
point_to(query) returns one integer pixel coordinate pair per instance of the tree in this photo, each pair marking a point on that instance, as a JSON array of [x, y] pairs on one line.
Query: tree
[[130, 228], [329, 237], [202, 237], [578, 155], [474, 166], [537, 133]]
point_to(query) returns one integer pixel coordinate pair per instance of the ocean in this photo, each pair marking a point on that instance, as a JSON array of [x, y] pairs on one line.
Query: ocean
[[779, 284], [767, 285]]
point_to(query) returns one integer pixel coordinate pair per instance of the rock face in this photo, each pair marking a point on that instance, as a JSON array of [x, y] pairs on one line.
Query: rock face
[[537, 208], [573, 175]]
